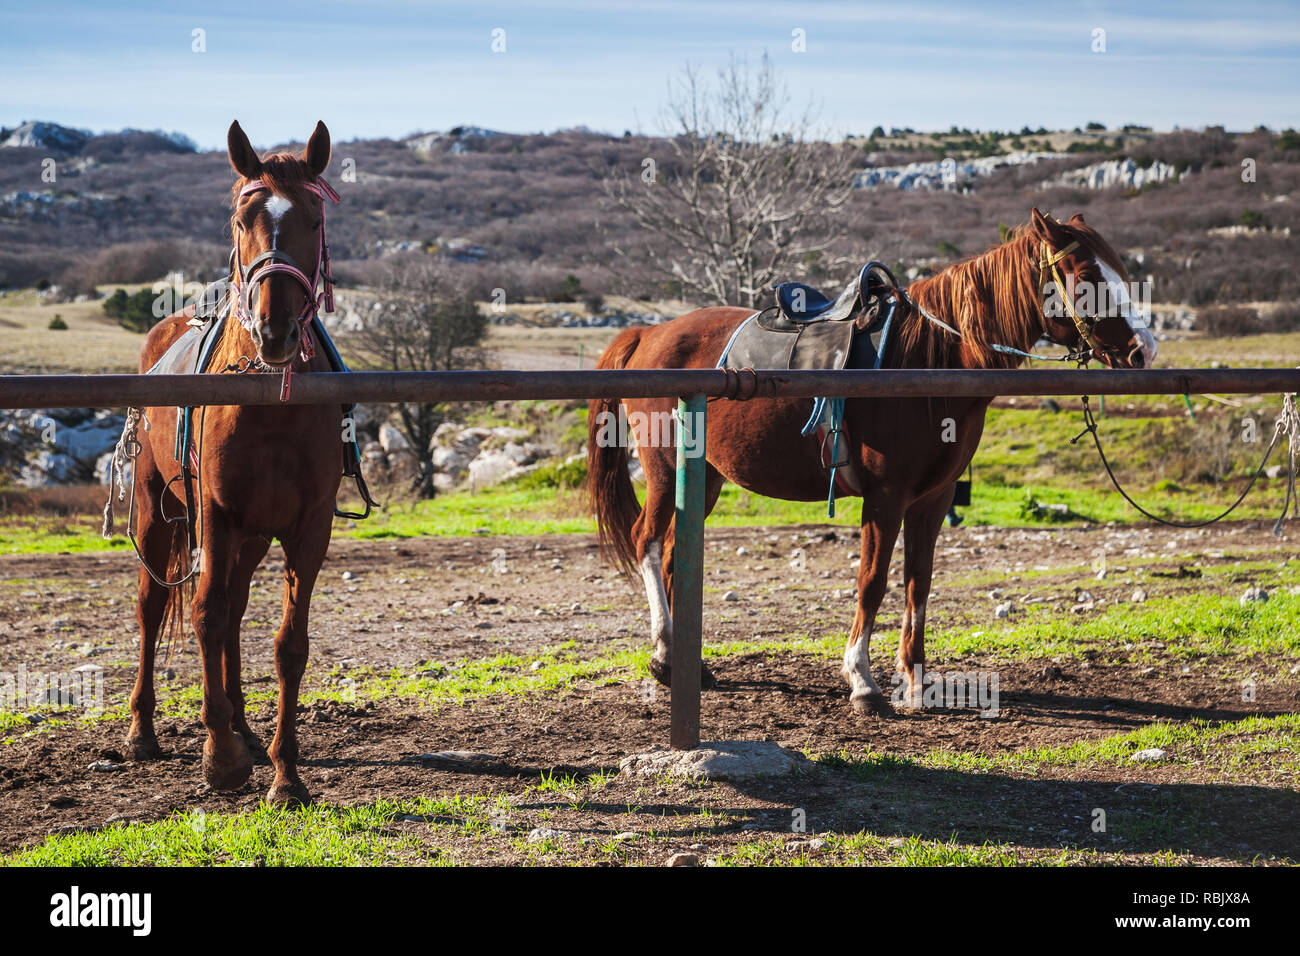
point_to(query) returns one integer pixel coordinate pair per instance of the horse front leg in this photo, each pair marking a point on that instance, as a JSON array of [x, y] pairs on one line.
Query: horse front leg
[[156, 537], [250, 556], [227, 762], [881, 520], [920, 532], [303, 556]]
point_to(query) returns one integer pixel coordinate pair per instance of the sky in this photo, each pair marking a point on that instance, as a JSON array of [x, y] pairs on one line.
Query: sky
[[390, 68]]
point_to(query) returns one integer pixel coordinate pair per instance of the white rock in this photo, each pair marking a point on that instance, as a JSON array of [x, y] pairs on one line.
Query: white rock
[[1139, 596], [1254, 596], [1151, 755], [449, 459], [1002, 611], [489, 469], [542, 834], [391, 440], [731, 596]]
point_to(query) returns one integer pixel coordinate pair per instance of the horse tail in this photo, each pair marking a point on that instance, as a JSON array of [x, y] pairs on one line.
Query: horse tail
[[611, 497], [171, 630]]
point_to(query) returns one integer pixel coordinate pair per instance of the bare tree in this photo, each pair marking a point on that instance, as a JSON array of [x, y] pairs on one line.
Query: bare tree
[[746, 191], [424, 322]]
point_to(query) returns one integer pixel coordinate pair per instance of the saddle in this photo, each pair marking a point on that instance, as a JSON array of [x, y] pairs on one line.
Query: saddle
[[806, 329]]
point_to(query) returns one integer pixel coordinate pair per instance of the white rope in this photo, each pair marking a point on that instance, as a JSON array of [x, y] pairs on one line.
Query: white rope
[[1288, 424]]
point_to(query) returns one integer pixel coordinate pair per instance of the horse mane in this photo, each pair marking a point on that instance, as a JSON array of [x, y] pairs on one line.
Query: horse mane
[[991, 298]]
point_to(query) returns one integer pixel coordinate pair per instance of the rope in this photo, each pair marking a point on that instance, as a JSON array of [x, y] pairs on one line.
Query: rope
[[1287, 424]]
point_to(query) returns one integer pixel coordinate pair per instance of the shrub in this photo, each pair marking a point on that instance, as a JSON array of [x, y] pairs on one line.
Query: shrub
[[57, 324], [134, 312], [572, 474]]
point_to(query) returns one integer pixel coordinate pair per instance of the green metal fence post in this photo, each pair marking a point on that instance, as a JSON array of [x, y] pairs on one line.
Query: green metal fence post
[[688, 573]]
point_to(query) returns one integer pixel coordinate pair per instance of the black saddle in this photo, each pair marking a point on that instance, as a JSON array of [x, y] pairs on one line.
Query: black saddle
[[799, 303], [807, 330]]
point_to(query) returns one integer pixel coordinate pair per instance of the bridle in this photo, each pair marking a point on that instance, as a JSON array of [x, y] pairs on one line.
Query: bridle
[[1049, 269], [278, 262]]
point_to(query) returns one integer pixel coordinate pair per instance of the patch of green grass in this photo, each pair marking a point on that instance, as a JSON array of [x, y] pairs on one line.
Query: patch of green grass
[[312, 836], [1189, 625], [868, 849], [1226, 747], [28, 534]]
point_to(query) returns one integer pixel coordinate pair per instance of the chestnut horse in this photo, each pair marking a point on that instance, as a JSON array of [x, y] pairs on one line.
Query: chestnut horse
[[263, 472], [907, 453]]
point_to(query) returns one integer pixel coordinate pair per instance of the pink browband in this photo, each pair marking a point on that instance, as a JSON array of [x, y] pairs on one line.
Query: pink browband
[[243, 305]]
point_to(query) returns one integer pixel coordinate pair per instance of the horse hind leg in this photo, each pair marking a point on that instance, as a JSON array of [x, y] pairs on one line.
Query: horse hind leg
[[920, 532], [654, 535], [712, 487], [156, 542]]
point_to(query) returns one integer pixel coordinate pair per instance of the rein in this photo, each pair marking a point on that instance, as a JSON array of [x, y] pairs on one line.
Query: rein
[[1288, 423]]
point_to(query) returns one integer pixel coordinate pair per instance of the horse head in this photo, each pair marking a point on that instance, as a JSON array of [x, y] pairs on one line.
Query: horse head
[[279, 254], [1084, 290]]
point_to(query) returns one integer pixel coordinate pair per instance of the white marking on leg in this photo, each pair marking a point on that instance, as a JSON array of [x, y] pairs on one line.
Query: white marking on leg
[[857, 668], [661, 622], [913, 623]]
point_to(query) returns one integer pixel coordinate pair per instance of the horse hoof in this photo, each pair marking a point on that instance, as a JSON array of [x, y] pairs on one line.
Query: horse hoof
[[873, 705], [663, 673], [288, 794], [141, 747], [253, 742], [707, 680], [226, 772]]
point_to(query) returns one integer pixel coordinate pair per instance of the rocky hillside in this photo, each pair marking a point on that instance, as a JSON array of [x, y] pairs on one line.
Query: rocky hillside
[[526, 212]]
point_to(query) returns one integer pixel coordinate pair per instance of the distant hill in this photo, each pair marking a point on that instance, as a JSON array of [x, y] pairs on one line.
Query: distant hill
[[65, 140], [524, 212]]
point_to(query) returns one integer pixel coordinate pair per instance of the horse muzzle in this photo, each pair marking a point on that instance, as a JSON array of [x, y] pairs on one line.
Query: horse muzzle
[[277, 350]]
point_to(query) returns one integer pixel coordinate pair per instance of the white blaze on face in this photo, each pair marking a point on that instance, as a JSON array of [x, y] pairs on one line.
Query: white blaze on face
[[277, 206], [1117, 291]]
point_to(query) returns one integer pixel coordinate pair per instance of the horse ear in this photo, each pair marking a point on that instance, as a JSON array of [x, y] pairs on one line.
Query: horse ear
[[317, 153], [1045, 226], [1077, 219], [242, 155]]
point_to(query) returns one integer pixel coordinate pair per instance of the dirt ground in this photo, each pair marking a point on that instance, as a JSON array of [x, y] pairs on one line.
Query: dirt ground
[[417, 605]]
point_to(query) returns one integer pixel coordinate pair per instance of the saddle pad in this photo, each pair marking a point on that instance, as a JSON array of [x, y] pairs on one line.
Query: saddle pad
[[814, 345], [189, 353], [192, 352]]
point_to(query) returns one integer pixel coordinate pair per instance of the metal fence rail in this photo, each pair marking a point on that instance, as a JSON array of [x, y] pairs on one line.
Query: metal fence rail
[[692, 386], [327, 388]]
